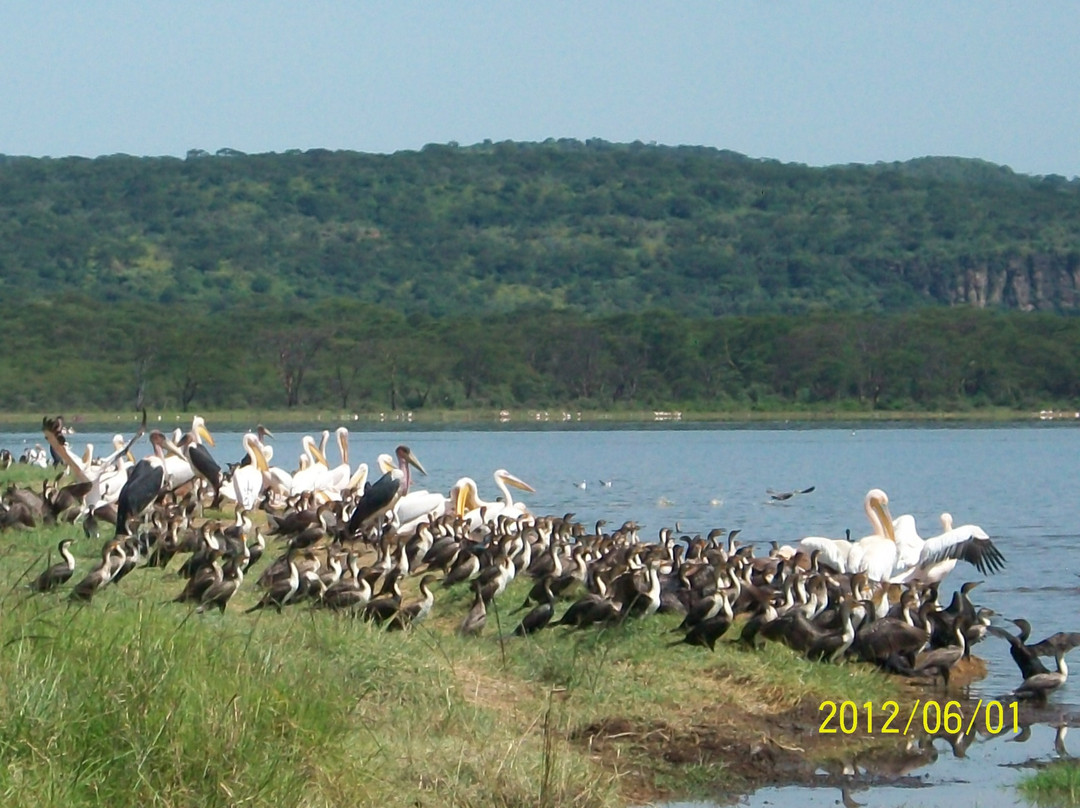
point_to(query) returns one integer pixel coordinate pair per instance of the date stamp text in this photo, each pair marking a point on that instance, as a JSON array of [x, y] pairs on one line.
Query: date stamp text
[[931, 717]]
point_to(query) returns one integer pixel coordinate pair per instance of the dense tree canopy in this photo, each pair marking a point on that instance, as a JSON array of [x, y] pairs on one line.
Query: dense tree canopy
[[591, 227], [69, 355], [509, 275]]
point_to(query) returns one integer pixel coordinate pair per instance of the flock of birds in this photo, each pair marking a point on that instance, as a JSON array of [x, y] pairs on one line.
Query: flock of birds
[[350, 544]]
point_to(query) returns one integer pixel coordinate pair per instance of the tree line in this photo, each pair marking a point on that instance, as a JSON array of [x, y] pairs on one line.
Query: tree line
[[69, 354], [593, 228]]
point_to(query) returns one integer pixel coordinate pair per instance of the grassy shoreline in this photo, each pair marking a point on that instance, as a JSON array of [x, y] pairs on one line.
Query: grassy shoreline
[[514, 418], [134, 700]]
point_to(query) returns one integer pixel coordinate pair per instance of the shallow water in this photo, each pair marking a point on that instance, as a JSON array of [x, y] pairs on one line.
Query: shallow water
[[982, 774], [1018, 482]]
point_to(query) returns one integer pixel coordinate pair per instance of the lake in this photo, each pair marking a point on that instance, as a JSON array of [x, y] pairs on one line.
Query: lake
[[1018, 482]]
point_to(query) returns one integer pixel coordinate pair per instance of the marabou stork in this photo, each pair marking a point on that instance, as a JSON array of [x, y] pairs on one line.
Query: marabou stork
[[144, 482], [383, 494]]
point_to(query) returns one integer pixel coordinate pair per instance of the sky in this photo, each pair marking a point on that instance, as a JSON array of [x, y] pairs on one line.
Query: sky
[[818, 82]]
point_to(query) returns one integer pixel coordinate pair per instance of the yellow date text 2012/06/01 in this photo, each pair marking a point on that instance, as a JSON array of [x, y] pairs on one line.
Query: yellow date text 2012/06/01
[[931, 717]]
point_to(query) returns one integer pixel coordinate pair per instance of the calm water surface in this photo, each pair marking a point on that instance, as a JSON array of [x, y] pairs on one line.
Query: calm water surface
[[1018, 482]]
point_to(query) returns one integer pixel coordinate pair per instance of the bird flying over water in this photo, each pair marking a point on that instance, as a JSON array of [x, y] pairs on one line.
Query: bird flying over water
[[783, 496]]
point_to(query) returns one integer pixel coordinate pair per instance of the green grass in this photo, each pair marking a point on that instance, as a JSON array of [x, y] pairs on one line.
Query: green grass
[[1057, 784], [133, 700]]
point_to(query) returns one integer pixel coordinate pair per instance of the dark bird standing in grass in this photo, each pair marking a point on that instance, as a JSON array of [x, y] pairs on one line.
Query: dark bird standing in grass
[[476, 619], [412, 613], [707, 632], [541, 615], [112, 558], [220, 592], [56, 574], [282, 590]]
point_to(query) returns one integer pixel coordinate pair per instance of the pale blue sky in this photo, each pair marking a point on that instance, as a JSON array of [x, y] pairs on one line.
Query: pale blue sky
[[812, 82]]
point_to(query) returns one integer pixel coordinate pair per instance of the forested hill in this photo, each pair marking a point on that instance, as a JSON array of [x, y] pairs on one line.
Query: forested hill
[[594, 227]]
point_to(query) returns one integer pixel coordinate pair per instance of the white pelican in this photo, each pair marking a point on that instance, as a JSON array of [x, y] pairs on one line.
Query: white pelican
[[310, 478], [342, 478], [36, 456], [895, 552], [930, 560], [874, 554], [178, 468], [477, 512], [111, 474], [413, 508], [832, 552], [262, 433], [278, 480], [249, 480], [337, 478], [417, 508]]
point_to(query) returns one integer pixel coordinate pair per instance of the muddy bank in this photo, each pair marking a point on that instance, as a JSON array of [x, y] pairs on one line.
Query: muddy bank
[[730, 754], [722, 751]]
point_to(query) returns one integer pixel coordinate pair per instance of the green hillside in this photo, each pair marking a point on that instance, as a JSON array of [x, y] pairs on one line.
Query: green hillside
[[591, 227], [511, 276]]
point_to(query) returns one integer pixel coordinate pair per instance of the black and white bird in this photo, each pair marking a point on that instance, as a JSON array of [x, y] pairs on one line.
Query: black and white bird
[[383, 494], [145, 482], [56, 574]]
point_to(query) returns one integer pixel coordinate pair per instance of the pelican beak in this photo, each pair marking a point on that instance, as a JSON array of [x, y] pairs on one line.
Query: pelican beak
[[517, 482], [359, 477], [267, 432], [882, 508], [172, 447], [319, 456], [411, 459], [204, 433], [461, 501]]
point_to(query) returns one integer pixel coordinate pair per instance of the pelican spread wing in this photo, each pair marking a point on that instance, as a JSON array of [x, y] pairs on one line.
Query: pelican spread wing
[[965, 543]]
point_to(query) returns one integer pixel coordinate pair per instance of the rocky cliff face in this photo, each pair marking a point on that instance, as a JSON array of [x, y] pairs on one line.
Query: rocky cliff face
[[1035, 282]]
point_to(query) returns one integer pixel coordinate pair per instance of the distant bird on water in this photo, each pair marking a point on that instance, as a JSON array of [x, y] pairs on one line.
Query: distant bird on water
[[783, 496]]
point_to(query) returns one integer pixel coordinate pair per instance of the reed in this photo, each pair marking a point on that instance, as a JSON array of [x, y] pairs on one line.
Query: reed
[[1057, 784]]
